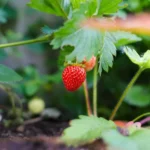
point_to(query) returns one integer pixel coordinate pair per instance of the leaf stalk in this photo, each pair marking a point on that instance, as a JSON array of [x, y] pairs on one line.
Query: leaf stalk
[[37, 40], [87, 100], [143, 115], [131, 83], [95, 90]]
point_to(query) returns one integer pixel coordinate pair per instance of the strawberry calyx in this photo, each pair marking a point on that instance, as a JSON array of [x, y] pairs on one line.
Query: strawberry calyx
[[87, 64], [73, 64]]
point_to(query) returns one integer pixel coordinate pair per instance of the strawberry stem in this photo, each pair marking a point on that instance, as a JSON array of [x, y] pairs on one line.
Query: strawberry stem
[[143, 115], [131, 83], [87, 100], [37, 40], [146, 120], [95, 90]]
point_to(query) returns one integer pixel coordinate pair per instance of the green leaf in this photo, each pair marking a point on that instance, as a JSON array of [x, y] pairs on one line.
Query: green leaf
[[143, 62], [64, 7], [47, 30], [66, 50], [123, 38], [98, 7], [8, 75], [31, 87], [109, 7], [57, 7], [56, 78], [110, 41], [133, 56], [86, 7], [146, 59], [88, 42], [138, 96], [139, 140], [3, 16], [77, 3], [3, 54], [115, 140], [85, 129], [106, 53]]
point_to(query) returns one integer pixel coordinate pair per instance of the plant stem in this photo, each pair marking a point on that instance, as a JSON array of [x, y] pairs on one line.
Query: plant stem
[[145, 120], [11, 97], [13, 104], [87, 100], [143, 115], [125, 93], [37, 40], [95, 90], [27, 122]]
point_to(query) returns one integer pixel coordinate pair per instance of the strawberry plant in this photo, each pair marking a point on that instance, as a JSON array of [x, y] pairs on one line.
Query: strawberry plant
[[85, 46]]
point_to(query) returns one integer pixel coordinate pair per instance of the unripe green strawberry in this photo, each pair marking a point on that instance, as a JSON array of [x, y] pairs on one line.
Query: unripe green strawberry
[[89, 65], [36, 105], [73, 77]]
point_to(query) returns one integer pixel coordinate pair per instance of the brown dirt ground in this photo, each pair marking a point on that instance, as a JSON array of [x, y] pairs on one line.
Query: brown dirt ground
[[43, 135]]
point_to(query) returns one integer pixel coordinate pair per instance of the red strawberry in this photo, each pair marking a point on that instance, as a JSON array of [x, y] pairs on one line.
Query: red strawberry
[[73, 77]]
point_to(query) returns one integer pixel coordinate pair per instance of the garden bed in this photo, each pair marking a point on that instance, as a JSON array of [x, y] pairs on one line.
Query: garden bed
[[43, 135]]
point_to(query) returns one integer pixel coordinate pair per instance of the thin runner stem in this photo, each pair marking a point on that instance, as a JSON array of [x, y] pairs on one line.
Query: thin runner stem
[[143, 115], [125, 93], [37, 40], [87, 100], [95, 90]]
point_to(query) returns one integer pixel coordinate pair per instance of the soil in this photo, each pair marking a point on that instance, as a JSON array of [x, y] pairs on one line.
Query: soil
[[43, 135]]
